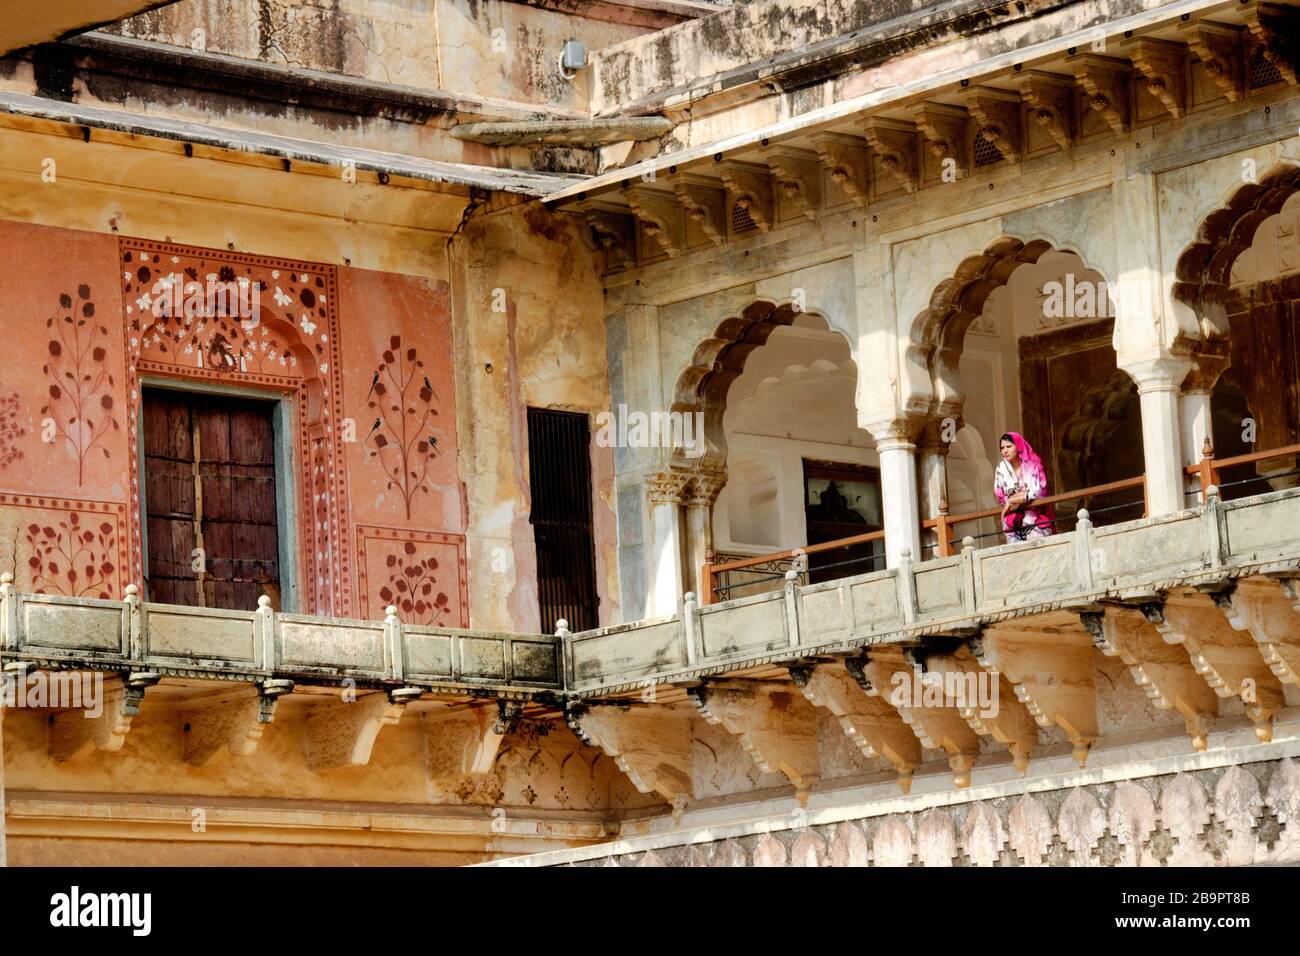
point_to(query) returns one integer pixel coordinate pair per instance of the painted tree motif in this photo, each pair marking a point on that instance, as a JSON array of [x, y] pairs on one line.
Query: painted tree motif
[[80, 400], [410, 587], [71, 559], [405, 444], [11, 429]]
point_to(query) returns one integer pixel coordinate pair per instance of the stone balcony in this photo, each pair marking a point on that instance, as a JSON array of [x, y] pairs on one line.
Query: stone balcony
[[1144, 645], [1197, 558]]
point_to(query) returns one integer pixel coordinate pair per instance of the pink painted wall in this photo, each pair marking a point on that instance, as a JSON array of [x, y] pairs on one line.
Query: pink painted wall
[[380, 511]]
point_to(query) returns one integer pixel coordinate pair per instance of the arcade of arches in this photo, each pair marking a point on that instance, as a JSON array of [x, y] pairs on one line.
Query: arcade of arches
[[777, 390]]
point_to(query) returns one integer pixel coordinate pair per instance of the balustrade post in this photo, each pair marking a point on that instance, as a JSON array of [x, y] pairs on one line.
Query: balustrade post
[[708, 580], [1083, 550], [393, 642], [792, 607], [691, 628], [8, 613], [1207, 470], [941, 527], [135, 641], [266, 614]]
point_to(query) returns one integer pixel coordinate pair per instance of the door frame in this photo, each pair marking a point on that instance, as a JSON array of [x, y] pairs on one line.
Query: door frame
[[283, 416]]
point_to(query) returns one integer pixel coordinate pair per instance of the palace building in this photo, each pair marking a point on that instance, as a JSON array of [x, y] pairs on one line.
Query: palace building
[[526, 432]]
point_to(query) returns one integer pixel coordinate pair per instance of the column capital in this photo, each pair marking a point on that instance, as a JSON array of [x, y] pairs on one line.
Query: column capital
[[704, 488], [1159, 373], [667, 487], [896, 432]]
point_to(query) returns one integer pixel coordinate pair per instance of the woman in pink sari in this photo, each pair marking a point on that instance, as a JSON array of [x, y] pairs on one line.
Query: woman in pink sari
[[1020, 480]]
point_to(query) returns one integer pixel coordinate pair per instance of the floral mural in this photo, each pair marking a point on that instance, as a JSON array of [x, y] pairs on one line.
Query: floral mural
[[79, 404], [404, 441], [11, 429]]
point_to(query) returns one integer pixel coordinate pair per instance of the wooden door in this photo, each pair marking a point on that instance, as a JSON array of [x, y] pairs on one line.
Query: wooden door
[[210, 498]]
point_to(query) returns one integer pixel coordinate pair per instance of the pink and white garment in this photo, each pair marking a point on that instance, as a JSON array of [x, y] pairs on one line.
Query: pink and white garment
[[1027, 523]]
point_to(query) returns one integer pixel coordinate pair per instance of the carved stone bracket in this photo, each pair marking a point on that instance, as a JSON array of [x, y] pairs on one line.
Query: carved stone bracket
[[1227, 660], [234, 723], [343, 734], [462, 741], [996, 714], [997, 119], [1050, 98], [868, 720], [939, 728], [1277, 28], [1164, 66], [1052, 674], [614, 231], [1105, 80], [749, 186], [894, 141], [1218, 47], [798, 177], [705, 203], [1161, 670], [74, 732], [944, 129], [846, 161], [773, 723], [651, 744], [1266, 612], [660, 214]]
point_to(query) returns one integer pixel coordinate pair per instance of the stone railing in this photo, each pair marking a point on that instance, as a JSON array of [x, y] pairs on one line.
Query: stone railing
[[131, 635], [957, 594], [1129, 561]]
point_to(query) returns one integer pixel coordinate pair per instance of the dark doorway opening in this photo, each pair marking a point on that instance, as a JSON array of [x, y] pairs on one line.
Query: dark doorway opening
[[842, 501], [560, 484], [212, 528]]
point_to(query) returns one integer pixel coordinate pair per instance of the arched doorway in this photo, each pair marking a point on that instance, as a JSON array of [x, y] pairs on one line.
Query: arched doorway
[[1241, 281], [775, 390], [1020, 338]]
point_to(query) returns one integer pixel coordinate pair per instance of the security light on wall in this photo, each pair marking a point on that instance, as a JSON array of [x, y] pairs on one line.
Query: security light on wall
[[572, 59]]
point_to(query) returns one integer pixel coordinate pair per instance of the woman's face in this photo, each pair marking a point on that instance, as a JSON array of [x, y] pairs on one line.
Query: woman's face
[[1008, 449]]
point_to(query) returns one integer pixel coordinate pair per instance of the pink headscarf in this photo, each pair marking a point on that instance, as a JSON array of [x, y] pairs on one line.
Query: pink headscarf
[[1031, 466]]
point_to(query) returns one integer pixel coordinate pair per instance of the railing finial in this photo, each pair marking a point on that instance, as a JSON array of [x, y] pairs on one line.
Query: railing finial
[[1207, 448]]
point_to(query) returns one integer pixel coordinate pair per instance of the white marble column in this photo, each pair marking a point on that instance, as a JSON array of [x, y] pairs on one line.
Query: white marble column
[[1159, 384], [899, 497], [1196, 409], [665, 492], [700, 498], [932, 452]]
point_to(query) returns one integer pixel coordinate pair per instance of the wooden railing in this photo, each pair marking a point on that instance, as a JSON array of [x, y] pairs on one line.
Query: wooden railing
[[944, 523], [1209, 469], [712, 571]]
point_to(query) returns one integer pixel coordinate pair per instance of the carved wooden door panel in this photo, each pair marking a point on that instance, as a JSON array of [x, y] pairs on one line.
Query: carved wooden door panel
[[212, 536]]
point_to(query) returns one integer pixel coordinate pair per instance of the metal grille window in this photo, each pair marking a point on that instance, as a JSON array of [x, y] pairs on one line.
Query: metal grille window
[[986, 153], [559, 479], [741, 220], [1262, 71]]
